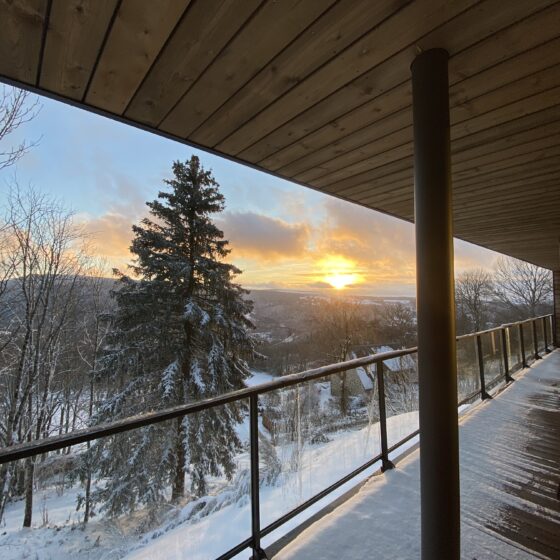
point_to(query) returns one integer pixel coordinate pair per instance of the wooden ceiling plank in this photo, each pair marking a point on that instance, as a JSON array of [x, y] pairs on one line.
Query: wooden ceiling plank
[[77, 30], [205, 29], [387, 113], [450, 36], [518, 138], [388, 148], [400, 185], [401, 196], [137, 36], [355, 160], [324, 39], [516, 126], [540, 25], [502, 212], [21, 38], [402, 159], [383, 152], [413, 21], [526, 87], [475, 165], [319, 147], [265, 35], [497, 117], [524, 153]]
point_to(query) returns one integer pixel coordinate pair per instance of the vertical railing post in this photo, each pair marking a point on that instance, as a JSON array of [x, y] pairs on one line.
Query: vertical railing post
[[385, 463], [545, 335], [522, 346], [507, 375], [483, 393], [535, 340], [258, 552]]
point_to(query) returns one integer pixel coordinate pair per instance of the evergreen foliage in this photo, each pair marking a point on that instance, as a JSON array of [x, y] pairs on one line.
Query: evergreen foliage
[[180, 333]]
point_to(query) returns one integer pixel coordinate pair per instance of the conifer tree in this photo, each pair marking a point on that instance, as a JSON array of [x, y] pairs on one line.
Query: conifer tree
[[180, 333]]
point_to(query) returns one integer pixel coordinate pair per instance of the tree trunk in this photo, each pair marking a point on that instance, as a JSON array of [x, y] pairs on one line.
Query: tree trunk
[[178, 490], [87, 510], [29, 472]]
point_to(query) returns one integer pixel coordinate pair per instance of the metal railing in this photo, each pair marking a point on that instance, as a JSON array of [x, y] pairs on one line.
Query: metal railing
[[510, 335]]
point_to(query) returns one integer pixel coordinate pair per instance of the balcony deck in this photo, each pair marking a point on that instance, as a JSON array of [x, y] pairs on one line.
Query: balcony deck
[[510, 486]]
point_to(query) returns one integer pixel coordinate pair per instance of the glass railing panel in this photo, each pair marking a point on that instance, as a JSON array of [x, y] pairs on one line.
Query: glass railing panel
[[468, 376], [493, 358], [513, 348], [549, 335], [139, 504], [528, 341], [540, 336], [312, 435], [401, 397]]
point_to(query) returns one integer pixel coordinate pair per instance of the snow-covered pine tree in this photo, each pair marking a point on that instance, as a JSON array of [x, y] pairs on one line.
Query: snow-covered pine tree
[[180, 333]]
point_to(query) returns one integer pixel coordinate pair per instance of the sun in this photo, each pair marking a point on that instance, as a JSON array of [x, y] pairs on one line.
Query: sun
[[340, 281], [339, 272]]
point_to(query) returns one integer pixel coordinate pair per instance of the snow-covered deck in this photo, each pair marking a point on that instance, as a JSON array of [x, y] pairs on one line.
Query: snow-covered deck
[[510, 493]]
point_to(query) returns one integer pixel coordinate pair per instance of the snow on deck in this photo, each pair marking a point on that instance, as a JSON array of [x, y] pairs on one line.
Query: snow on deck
[[510, 477]]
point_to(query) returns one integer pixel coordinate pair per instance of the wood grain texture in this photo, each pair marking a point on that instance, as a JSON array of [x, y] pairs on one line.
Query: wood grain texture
[[20, 38], [77, 29], [200, 36], [323, 40], [140, 30], [271, 29]]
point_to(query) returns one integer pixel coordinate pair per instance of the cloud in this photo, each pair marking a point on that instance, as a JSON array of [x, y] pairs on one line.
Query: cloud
[[381, 246], [110, 234], [468, 256], [261, 237]]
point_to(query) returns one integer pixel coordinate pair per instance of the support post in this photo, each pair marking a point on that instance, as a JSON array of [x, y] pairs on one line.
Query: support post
[[505, 355], [437, 367], [545, 334], [385, 463], [556, 314], [483, 393], [258, 552], [522, 346], [535, 340]]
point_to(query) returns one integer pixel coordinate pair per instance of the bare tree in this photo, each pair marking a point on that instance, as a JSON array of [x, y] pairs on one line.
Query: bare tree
[[94, 329], [41, 300], [340, 326], [523, 287], [473, 289], [16, 108], [397, 324]]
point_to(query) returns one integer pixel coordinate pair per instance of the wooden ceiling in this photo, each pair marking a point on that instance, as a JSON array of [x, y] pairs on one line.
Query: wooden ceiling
[[318, 92]]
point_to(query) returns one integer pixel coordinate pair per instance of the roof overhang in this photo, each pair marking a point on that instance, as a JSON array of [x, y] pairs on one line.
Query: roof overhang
[[319, 93]]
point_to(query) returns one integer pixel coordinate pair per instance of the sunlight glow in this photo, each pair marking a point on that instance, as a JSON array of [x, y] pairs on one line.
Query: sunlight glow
[[340, 272]]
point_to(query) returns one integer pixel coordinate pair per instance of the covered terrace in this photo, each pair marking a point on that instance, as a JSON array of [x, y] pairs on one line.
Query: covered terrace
[[441, 112]]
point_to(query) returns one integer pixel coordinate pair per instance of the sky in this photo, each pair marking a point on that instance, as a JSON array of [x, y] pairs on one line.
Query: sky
[[282, 235]]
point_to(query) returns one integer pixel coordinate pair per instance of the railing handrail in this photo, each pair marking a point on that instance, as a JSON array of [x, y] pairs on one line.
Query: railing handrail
[[28, 449], [53, 443], [503, 326]]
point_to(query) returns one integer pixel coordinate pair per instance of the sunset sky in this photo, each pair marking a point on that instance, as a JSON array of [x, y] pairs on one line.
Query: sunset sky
[[282, 235]]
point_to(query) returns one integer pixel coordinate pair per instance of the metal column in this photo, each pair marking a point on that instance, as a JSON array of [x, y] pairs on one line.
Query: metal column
[[556, 314], [437, 368]]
